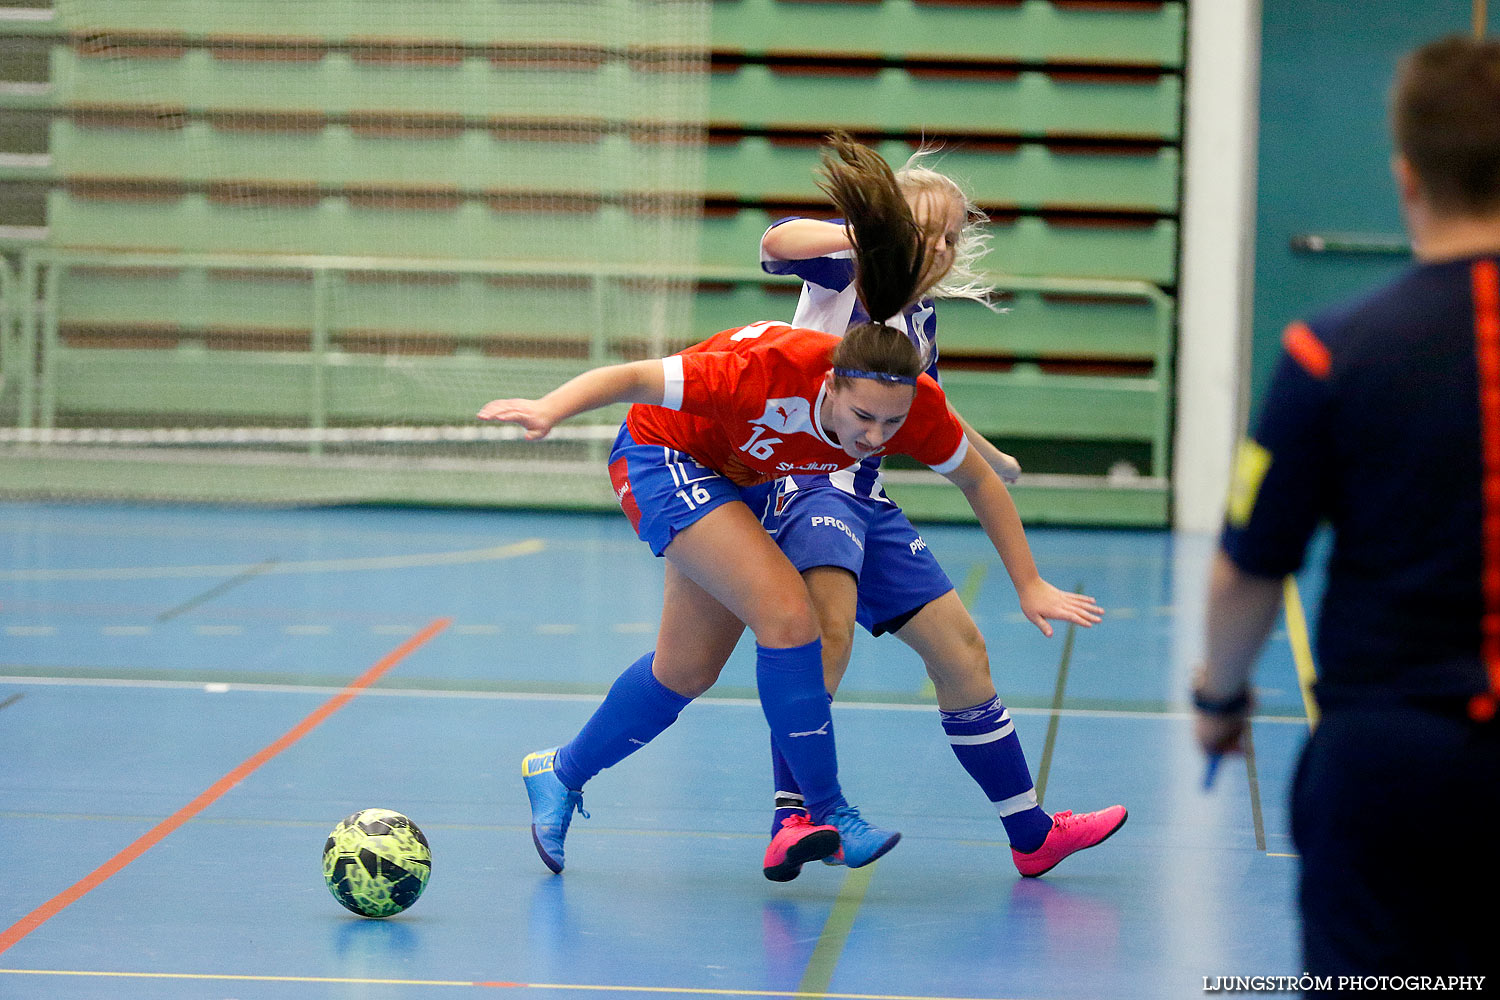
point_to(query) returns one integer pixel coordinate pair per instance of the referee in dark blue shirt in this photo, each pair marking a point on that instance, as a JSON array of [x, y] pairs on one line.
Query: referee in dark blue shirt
[[1383, 419]]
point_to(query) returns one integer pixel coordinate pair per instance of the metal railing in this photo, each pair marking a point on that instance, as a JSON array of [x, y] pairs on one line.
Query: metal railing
[[30, 341]]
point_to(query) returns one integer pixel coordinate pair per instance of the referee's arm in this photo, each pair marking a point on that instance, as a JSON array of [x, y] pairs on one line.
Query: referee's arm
[[1242, 609], [1276, 500]]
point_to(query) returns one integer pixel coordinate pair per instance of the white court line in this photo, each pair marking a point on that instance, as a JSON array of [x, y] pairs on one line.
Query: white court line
[[708, 699], [421, 559], [559, 628]]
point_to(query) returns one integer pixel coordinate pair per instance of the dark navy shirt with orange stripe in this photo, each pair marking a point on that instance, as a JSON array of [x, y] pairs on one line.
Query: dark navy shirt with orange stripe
[[1375, 422]]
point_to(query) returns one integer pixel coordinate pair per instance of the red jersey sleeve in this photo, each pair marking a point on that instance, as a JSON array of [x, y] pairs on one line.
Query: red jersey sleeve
[[932, 434], [716, 384], [729, 376]]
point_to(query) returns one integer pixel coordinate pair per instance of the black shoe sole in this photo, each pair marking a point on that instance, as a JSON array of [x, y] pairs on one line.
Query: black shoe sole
[[813, 847]]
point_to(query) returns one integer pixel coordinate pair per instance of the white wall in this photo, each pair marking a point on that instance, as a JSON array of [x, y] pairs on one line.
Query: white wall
[[1218, 243]]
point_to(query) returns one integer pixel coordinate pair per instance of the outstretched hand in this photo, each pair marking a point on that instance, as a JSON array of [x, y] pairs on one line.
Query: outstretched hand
[[1006, 467], [1041, 601], [527, 413]]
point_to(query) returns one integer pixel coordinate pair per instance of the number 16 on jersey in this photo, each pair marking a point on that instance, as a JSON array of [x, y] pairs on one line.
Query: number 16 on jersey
[[694, 497], [760, 447]]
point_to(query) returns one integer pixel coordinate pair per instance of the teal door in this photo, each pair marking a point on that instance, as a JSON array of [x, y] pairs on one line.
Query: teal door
[[1326, 66]]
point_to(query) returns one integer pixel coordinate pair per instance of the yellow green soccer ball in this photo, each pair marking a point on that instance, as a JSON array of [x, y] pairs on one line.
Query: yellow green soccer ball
[[376, 862]]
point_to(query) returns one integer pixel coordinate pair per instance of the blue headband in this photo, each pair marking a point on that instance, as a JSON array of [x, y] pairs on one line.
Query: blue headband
[[875, 376]]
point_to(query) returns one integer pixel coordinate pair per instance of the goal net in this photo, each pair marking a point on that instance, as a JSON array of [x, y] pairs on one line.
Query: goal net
[[293, 247]]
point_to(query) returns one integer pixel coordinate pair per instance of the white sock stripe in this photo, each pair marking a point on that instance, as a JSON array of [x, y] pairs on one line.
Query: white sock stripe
[[789, 796], [977, 738], [973, 715], [1017, 803]]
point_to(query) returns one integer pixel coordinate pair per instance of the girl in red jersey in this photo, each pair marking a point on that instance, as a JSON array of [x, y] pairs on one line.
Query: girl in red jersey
[[743, 408], [873, 567]]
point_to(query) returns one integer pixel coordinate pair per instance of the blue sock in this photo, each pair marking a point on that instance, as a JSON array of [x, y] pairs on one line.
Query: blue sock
[[636, 710], [787, 794], [985, 743], [796, 706]]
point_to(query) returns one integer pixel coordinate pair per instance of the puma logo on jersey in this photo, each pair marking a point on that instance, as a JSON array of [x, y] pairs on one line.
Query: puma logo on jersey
[[820, 731], [790, 414]]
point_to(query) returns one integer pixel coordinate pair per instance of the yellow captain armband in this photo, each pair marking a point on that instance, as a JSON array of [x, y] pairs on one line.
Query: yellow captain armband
[[1251, 463]]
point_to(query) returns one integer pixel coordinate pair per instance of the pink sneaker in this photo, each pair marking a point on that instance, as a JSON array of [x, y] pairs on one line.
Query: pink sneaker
[[795, 844], [1069, 833]]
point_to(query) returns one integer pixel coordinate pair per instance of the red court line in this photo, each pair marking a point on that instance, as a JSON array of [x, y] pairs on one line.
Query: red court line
[[156, 834]]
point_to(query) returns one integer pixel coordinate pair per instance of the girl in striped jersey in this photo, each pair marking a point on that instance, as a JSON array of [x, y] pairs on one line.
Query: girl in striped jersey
[[742, 408], [864, 562]]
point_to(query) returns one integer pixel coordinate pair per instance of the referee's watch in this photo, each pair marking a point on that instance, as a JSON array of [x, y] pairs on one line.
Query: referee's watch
[[1236, 704]]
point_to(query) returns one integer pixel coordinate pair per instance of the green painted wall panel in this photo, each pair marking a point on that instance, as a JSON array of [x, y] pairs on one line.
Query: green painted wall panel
[[1035, 30], [1040, 405], [1039, 326], [471, 160], [1029, 103], [1029, 176], [246, 386], [752, 168], [474, 22], [1026, 246]]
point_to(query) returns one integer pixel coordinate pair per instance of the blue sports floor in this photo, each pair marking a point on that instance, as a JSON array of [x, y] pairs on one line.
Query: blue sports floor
[[177, 738]]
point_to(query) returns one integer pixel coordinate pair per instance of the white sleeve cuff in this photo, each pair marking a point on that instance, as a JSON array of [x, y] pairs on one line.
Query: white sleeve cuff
[[671, 369], [954, 460]]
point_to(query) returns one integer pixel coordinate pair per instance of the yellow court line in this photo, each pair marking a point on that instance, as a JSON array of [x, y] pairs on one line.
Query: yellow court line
[[527, 547], [1296, 631], [496, 984], [825, 957]]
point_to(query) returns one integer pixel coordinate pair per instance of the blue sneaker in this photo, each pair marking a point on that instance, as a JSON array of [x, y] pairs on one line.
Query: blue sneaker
[[861, 842], [552, 805]]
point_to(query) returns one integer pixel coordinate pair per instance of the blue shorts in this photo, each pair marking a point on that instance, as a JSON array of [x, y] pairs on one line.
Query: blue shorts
[[662, 490], [896, 574]]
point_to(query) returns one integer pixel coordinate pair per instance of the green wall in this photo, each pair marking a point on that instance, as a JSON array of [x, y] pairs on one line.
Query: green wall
[[1324, 151]]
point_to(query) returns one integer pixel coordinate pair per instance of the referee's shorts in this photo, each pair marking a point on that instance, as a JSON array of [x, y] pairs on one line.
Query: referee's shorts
[[1396, 813]]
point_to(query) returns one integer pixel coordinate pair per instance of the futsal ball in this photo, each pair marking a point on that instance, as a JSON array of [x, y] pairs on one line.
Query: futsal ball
[[376, 862]]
